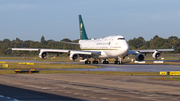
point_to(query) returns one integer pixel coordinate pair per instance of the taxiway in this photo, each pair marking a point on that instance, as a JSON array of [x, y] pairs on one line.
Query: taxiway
[[87, 87]]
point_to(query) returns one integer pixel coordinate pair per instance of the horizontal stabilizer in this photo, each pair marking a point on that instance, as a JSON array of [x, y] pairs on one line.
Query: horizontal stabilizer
[[70, 43]]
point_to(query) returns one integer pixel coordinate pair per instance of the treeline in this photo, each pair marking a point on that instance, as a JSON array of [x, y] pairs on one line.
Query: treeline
[[134, 44], [155, 43], [6, 43]]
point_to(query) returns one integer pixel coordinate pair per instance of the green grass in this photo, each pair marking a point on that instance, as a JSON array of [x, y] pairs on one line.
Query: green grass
[[36, 58], [6, 72], [104, 73], [15, 65], [86, 72]]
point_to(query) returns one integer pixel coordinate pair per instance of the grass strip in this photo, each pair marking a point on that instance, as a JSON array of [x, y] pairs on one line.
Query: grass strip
[[87, 72], [102, 72], [15, 65], [2, 72], [36, 58]]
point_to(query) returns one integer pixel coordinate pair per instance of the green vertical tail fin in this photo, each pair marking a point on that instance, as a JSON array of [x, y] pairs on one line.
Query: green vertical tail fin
[[83, 35]]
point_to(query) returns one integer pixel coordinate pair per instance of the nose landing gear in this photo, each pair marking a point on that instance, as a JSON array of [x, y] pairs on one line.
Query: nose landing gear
[[95, 62], [118, 61]]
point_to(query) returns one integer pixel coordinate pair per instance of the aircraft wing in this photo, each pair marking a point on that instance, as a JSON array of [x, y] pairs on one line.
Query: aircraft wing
[[86, 52], [57, 50], [149, 51], [43, 52], [26, 49]]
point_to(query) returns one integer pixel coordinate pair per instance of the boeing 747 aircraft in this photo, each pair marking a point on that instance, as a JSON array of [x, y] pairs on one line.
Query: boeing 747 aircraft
[[108, 47]]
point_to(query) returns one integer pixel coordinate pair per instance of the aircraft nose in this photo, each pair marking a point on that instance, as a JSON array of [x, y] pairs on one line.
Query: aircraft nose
[[126, 48]]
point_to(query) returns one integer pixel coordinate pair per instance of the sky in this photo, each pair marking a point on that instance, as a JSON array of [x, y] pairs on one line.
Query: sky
[[58, 19]]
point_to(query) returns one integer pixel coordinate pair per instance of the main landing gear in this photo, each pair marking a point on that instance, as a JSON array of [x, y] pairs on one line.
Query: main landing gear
[[89, 62], [105, 61], [95, 62], [118, 62]]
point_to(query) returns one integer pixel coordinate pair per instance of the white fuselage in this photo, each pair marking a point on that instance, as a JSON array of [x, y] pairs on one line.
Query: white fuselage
[[110, 47]]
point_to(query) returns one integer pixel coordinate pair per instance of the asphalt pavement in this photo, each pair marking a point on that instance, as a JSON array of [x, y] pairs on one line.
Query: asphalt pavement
[[86, 87]]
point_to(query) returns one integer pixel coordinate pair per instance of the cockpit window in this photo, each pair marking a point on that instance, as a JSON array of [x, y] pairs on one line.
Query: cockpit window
[[121, 38]]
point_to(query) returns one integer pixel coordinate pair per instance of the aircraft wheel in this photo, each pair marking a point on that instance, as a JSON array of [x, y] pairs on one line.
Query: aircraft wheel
[[93, 62], [120, 62], [115, 62], [104, 62], [89, 62], [107, 62], [96, 62], [86, 62]]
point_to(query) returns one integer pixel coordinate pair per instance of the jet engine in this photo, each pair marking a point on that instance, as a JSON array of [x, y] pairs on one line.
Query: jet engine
[[74, 57], [139, 57], [157, 55], [43, 55]]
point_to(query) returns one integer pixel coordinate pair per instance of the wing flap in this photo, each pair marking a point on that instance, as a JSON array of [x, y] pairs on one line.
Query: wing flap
[[70, 43], [26, 49], [55, 50]]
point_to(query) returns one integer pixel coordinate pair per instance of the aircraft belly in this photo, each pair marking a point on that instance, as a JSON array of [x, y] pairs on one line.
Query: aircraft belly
[[111, 53], [114, 53]]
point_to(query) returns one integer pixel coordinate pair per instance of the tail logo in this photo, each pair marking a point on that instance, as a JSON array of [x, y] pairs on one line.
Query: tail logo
[[81, 25], [81, 31]]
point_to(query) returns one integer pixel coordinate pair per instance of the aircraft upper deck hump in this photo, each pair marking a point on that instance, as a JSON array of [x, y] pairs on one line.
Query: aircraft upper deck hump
[[83, 35]]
